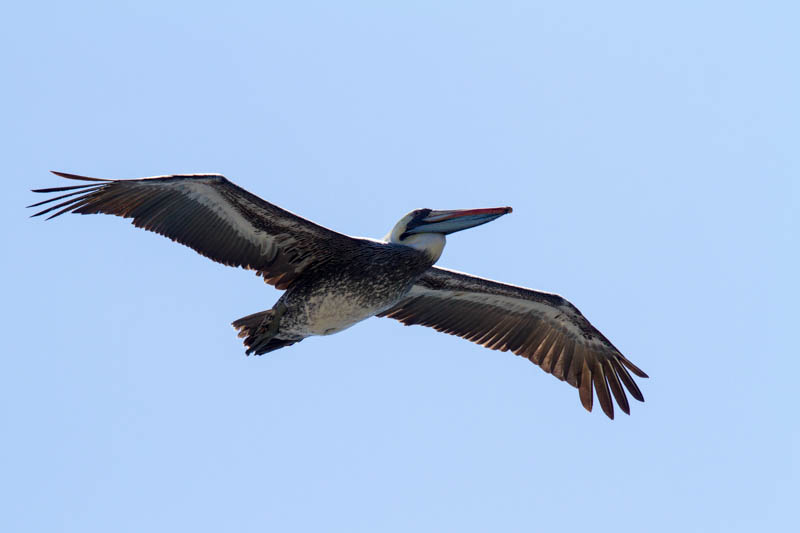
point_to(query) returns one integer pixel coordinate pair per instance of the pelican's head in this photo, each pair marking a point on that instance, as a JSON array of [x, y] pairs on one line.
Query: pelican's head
[[424, 229]]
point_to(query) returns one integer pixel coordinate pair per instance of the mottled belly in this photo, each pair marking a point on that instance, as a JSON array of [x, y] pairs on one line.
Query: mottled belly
[[336, 312], [327, 304]]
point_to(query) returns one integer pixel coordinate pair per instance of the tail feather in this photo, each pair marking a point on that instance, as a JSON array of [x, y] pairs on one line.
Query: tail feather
[[254, 330]]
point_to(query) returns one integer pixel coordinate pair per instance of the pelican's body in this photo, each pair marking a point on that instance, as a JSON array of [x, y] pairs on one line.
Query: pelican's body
[[356, 285], [333, 281]]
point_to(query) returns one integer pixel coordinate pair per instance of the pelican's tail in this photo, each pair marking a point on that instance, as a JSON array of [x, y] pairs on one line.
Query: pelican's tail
[[260, 334]]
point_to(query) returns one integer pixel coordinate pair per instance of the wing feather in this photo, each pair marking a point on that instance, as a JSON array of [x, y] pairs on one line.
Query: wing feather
[[616, 387], [585, 389], [539, 326], [211, 215]]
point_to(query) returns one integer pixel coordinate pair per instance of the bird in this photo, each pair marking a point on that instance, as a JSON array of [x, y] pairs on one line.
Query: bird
[[332, 281]]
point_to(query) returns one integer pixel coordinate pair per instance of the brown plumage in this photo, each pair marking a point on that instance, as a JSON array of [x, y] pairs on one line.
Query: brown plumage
[[333, 281]]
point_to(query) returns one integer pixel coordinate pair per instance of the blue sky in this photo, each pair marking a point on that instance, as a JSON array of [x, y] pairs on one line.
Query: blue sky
[[651, 157]]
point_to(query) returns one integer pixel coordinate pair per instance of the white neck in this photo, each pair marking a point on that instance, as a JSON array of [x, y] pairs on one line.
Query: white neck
[[430, 243]]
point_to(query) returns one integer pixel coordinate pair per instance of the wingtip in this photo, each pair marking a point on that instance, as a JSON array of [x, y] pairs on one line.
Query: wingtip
[[606, 405], [586, 404], [69, 176], [633, 368], [636, 370]]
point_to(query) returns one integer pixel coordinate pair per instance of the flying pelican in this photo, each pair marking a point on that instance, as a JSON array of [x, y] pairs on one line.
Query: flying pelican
[[333, 281]]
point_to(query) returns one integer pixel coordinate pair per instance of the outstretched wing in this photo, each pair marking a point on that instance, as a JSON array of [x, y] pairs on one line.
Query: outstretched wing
[[211, 215], [540, 326]]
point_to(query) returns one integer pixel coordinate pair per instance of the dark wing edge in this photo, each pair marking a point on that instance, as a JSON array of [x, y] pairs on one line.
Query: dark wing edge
[[542, 327], [209, 214]]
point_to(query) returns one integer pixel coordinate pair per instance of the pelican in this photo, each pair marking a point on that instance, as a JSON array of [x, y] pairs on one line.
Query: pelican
[[332, 281]]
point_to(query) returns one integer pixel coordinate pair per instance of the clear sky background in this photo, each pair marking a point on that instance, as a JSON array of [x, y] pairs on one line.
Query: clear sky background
[[651, 157]]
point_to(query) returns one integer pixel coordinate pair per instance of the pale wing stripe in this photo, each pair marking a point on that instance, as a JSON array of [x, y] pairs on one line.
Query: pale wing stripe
[[205, 195], [558, 317]]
